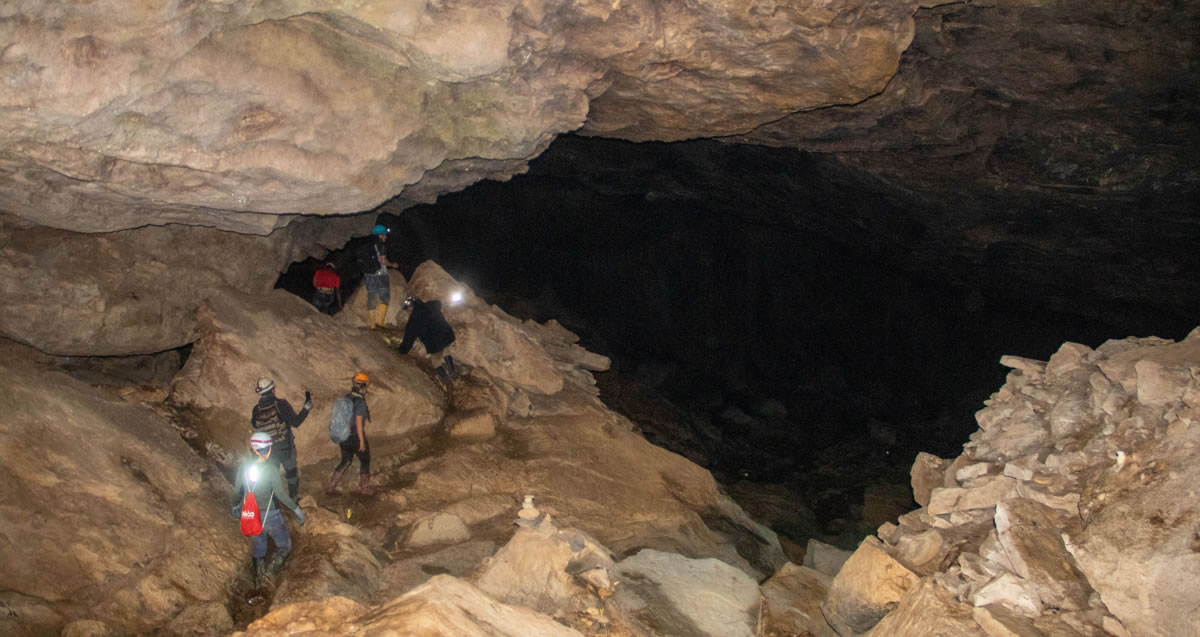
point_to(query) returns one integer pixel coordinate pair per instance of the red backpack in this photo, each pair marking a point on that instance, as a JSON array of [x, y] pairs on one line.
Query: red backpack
[[252, 519]]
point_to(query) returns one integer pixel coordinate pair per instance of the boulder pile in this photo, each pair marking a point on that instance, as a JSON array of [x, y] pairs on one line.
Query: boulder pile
[[1070, 512]]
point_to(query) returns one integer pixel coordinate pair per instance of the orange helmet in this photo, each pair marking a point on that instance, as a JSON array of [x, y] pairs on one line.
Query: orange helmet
[[361, 379]]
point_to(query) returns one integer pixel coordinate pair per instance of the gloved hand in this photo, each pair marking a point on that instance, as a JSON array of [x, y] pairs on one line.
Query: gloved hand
[[307, 399], [237, 511], [300, 516]]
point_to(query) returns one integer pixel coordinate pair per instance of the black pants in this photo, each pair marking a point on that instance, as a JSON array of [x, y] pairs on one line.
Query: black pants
[[324, 302], [284, 454], [349, 450]]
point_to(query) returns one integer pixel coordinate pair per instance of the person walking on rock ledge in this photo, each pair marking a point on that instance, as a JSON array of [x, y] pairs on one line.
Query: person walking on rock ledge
[[277, 418], [374, 262], [355, 443], [258, 477], [428, 325]]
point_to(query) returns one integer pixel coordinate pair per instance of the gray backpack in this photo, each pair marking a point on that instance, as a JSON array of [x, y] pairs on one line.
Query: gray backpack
[[342, 420]]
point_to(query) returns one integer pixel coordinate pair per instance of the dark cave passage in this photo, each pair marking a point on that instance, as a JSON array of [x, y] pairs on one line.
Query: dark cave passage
[[765, 321]]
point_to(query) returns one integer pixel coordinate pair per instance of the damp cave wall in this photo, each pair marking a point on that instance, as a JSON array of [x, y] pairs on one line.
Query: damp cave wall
[[749, 274]]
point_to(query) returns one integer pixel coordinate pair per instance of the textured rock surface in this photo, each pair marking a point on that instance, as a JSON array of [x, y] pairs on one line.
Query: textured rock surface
[[190, 106], [792, 599], [669, 594], [443, 607], [277, 335], [136, 291], [107, 515], [869, 585]]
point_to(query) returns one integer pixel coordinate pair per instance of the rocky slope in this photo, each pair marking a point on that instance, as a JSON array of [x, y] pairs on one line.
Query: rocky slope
[[1067, 514], [144, 517]]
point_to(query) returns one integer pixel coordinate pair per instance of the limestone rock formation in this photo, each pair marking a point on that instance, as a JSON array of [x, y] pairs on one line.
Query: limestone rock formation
[[443, 607], [277, 335], [118, 117], [108, 516], [137, 291], [487, 337], [1069, 510], [669, 594]]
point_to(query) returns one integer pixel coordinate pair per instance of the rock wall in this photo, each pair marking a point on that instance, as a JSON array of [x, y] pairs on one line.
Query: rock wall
[[137, 291], [106, 515]]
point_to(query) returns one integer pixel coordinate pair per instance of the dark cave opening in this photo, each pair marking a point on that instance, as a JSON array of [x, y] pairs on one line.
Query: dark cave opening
[[765, 320]]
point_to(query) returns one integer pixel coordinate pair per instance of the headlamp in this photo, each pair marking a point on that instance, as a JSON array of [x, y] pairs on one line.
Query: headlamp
[[456, 297], [252, 474]]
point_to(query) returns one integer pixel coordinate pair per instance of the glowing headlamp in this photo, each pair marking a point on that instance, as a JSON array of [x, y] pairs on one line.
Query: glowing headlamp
[[456, 297], [252, 474]]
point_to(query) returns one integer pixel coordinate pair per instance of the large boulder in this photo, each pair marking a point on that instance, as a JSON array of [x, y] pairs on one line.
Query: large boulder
[[281, 337], [442, 607], [669, 594], [869, 585], [792, 600], [107, 515], [487, 337]]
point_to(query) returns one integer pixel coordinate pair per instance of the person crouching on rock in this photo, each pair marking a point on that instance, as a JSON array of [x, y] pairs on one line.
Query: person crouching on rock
[[428, 325], [277, 418], [356, 443], [327, 297], [257, 494]]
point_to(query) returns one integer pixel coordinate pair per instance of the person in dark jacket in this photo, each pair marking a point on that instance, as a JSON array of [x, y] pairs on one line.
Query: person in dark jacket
[[356, 444], [427, 325], [374, 262], [258, 475], [277, 418]]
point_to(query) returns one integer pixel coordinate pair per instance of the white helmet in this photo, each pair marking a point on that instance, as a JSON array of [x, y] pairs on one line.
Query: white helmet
[[261, 441], [264, 385]]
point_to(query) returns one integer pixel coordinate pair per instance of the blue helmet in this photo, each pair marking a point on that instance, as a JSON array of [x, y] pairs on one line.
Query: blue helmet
[[380, 229]]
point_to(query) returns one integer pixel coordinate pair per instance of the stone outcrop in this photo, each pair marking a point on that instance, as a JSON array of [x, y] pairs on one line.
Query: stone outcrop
[[137, 291], [669, 594], [109, 518], [1069, 511], [443, 607], [277, 335]]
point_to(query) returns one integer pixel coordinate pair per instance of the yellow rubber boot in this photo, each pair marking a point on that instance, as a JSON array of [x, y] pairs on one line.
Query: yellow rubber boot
[[381, 318], [371, 314]]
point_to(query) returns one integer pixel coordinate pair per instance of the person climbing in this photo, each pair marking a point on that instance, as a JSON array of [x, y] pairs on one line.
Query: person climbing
[[374, 262], [356, 444], [428, 325], [328, 296], [256, 475], [277, 418]]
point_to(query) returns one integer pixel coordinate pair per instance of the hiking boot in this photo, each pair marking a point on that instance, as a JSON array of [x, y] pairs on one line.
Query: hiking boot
[[364, 485], [332, 488], [275, 564], [258, 572]]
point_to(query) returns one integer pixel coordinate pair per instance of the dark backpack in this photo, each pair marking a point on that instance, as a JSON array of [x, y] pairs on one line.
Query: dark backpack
[[368, 260], [341, 421]]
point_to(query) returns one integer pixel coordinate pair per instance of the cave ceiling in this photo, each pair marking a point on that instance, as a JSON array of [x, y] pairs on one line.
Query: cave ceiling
[[1046, 134]]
